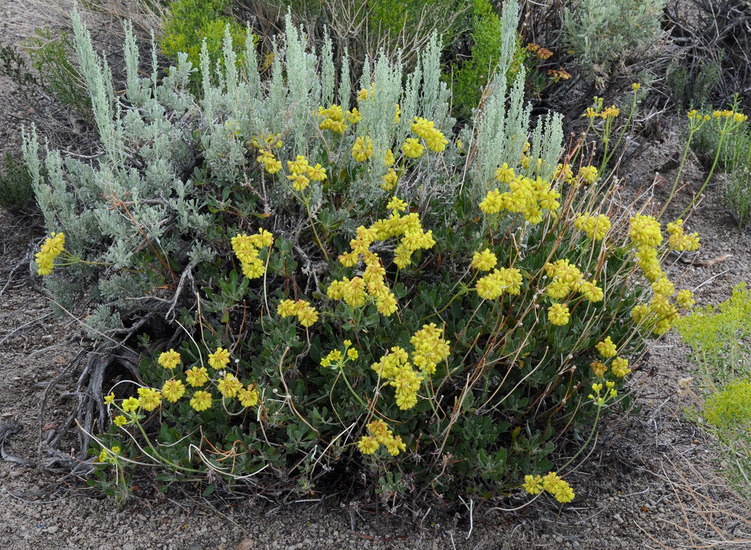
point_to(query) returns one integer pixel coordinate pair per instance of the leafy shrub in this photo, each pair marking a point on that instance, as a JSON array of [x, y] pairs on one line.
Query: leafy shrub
[[51, 55], [189, 22], [604, 33], [323, 290], [470, 77]]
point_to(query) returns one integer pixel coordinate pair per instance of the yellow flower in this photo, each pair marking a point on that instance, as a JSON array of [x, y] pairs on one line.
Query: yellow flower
[[248, 397], [635, 86], [663, 286], [598, 368], [120, 421], [587, 174], [413, 148], [396, 205], [504, 174], [316, 173], [197, 376], [307, 316], [484, 261], [352, 354], [362, 149], [169, 359], [229, 385], [685, 298], [558, 314], [619, 367], [51, 249], [149, 398], [492, 202], [109, 399], [388, 158], [644, 230], [367, 445], [201, 400], [591, 291], [606, 348], [130, 404], [354, 116], [172, 390], [300, 182], [533, 484], [219, 359]]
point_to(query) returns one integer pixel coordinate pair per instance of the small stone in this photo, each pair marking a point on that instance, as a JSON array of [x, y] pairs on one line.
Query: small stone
[[129, 546], [245, 544], [53, 529]]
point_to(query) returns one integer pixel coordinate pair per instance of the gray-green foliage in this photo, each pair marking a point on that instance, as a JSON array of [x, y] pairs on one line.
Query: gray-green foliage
[[170, 160], [604, 33]]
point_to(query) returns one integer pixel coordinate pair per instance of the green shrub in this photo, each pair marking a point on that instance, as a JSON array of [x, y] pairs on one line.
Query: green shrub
[[189, 22], [324, 291], [471, 76], [51, 55], [604, 33]]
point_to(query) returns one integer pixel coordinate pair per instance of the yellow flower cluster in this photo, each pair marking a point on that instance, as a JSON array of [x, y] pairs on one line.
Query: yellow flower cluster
[[566, 278], [618, 366], [380, 434], [333, 119], [229, 385], [51, 249], [429, 348], [484, 261], [551, 483], [267, 141], [219, 359], [149, 398], [302, 173], [269, 161], [596, 227], [659, 314], [526, 196], [305, 313], [587, 174], [607, 348], [498, 281], [173, 390], [558, 314], [644, 231], [246, 248], [412, 148], [372, 284], [564, 172], [396, 368], [727, 113], [433, 137], [362, 149], [679, 241], [504, 174], [169, 359], [336, 359]]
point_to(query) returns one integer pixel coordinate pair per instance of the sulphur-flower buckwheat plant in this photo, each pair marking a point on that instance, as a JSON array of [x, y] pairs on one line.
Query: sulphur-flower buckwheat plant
[[307, 281]]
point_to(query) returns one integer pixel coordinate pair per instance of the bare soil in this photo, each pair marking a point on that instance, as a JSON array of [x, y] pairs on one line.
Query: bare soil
[[651, 480]]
